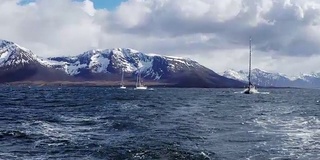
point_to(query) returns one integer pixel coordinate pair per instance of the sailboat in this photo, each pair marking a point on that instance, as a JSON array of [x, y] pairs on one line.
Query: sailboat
[[250, 88], [122, 84], [139, 85]]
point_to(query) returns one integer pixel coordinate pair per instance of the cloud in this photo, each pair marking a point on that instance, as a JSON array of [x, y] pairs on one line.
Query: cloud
[[50, 28], [275, 25], [214, 32]]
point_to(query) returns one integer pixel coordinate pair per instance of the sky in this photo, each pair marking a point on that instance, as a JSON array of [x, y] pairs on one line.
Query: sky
[[285, 33], [98, 4]]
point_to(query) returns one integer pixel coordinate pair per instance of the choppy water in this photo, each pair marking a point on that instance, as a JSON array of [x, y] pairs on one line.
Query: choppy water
[[106, 123]]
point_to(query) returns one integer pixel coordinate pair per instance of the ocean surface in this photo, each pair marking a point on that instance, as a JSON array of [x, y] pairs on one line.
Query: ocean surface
[[166, 123]]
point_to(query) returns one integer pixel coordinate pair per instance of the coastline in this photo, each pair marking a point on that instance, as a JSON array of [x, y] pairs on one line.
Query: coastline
[[116, 84], [85, 83]]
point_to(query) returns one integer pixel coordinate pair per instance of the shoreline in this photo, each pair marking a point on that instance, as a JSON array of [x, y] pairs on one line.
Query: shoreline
[[114, 84], [84, 83]]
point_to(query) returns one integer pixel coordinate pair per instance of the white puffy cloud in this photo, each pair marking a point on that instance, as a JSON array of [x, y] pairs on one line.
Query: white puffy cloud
[[286, 33], [51, 27]]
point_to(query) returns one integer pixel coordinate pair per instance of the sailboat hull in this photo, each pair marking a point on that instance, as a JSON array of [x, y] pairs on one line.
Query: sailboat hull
[[247, 92], [141, 88], [251, 90], [139, 85]]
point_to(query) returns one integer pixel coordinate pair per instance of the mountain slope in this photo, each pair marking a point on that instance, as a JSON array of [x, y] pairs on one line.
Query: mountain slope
[[268, 79], [12, 55], [114, 60], [259, 77], [20, 64]]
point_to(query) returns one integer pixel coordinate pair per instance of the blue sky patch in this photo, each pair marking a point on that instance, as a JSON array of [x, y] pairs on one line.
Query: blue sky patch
[[99, 4]]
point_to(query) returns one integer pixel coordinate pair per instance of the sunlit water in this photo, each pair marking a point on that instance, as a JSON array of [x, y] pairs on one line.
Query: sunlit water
[[106, 123]]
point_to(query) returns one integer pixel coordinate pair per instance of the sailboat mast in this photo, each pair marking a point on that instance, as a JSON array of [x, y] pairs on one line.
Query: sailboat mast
[[139, 79], [122, 77], [250, 61], [137, 83]]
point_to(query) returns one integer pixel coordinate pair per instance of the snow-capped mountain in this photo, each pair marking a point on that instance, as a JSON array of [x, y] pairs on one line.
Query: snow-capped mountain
[[115, 60], [20, 64], [12, 54], [259, 77], [102, 64], [310, 80], [268, 79], [238, 75]]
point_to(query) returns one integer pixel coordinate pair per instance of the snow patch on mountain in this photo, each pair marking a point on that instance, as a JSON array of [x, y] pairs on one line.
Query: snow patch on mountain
[[238, 75], [22, 48], [144, 66], [73, 69], [4, 57], [98, 63], [47, 62], [153, 54], [184, 61]]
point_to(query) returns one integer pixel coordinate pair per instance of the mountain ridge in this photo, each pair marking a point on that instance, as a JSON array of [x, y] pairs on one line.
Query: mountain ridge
[[106, 65], [271, 79]]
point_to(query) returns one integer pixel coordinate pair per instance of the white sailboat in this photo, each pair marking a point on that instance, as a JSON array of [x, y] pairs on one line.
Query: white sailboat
[[122, 83], [251, 89], [139, 85]]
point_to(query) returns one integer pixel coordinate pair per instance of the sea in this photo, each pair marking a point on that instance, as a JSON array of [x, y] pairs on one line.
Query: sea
[[163, 123]]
